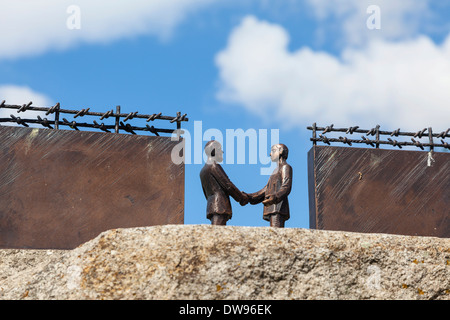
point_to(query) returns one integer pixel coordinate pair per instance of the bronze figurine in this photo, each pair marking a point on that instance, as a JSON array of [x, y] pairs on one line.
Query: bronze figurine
[[274, 195], [217, 187]]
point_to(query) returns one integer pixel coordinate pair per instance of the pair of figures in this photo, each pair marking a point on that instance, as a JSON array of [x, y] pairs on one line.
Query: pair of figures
[[218, 188]]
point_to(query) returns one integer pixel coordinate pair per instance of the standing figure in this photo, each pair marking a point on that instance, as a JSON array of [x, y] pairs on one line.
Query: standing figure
[[217, 187], [274, 195]]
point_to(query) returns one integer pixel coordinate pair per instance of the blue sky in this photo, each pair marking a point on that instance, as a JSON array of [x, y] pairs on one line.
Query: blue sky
[[274, 65]]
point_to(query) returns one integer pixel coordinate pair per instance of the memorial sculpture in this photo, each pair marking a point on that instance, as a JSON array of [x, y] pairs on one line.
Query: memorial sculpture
[[217, 187], [274, 195]]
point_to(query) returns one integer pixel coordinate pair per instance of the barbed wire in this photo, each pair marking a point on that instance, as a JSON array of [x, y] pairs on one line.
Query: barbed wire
[[73, 124], [318, 135]]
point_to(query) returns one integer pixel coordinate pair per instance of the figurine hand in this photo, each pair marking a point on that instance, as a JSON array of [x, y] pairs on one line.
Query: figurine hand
[[252, 200], [270, 200], [244, 200]]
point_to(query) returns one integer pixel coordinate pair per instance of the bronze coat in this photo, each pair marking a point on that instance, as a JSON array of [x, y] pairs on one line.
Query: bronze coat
[[279, 185], [217, 188]]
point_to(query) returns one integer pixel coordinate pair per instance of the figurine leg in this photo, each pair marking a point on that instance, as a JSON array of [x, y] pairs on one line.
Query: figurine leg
[[219, 219], [277, 220]]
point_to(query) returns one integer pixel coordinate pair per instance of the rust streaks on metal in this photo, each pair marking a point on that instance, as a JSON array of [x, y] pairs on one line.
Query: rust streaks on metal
[[60, 188], [379, 191]]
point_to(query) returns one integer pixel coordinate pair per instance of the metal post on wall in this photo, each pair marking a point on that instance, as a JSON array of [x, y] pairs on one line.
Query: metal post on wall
[[57, 116], [430, 159], [2, 103], [314, 133], [117, 119], [377, 135]]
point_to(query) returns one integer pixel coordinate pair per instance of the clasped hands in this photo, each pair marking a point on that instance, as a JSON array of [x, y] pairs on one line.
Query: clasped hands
[[246, 198]]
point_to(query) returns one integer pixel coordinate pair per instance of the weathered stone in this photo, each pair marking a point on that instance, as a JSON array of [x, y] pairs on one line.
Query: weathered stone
[[226, 262]]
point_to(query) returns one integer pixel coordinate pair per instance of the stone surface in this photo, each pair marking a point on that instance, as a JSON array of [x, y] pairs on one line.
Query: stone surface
[[217, 262]]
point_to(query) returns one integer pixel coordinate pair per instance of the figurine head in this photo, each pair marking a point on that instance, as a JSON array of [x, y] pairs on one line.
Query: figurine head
[[213, 150], [279, 151]]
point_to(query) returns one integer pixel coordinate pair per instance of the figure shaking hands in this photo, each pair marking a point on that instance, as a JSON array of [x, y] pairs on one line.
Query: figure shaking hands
[[274, 195]]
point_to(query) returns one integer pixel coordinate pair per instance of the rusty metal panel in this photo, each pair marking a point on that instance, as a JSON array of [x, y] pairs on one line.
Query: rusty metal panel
[[61, 188], [379, 191]]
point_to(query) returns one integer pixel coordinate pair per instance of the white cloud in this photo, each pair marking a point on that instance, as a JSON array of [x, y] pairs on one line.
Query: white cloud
[[19, 95], [32, 27], [399, 19], [395, 84]]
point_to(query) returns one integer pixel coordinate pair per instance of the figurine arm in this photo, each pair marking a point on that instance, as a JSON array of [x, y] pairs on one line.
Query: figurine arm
[[225, 182]]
